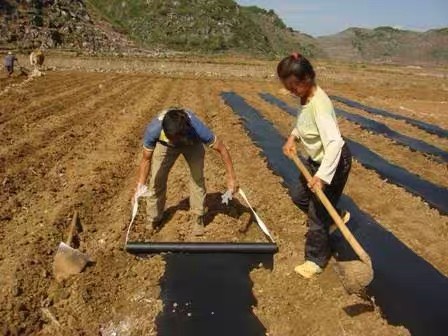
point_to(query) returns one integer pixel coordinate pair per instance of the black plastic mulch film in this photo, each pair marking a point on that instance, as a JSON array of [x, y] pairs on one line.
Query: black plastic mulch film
[[409, 290], [436, 196]]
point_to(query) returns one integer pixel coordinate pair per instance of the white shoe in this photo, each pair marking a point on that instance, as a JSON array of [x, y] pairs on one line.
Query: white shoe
[[308, 269]]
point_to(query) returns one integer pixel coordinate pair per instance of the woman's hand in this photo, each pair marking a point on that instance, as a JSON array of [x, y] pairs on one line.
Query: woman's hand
[[289, 148], [316, 183]]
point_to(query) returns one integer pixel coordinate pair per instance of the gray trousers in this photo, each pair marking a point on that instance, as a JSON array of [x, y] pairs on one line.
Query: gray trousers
[[163, 160]]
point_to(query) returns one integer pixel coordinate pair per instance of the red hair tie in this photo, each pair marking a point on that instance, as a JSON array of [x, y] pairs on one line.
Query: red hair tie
[[296, 55]]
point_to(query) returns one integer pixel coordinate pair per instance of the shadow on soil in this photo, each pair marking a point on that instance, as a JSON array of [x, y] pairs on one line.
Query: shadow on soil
[[213, 203]]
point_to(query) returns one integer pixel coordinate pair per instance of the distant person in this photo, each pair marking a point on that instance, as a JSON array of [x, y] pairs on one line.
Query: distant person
[[329, 158], [174, 132], [37, 58], [9, 63]]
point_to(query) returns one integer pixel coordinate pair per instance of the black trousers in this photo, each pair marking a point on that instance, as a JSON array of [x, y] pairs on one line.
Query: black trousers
[[317, 245], [9, 69]]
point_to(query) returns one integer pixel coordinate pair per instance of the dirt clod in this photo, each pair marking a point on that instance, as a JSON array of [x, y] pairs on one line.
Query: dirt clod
[[16, 290], [355, 276]]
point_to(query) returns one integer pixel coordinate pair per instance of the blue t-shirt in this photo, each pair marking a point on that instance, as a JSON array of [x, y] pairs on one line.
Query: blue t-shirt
[[9, 60], [199, 132]]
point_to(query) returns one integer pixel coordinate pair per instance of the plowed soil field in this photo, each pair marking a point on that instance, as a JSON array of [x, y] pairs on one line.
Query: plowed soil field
[[72, 140]]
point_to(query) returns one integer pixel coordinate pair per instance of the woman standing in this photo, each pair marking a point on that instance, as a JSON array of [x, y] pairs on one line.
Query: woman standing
[[329, 159]]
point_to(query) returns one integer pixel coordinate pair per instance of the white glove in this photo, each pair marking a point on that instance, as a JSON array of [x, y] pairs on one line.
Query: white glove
[[226, 197], [141, 190]]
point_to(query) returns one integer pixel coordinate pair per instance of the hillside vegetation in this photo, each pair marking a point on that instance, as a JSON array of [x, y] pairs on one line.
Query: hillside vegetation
[[203, 25]]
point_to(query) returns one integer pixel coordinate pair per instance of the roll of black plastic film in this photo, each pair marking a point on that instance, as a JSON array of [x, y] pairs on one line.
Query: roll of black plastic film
[[166, 247]]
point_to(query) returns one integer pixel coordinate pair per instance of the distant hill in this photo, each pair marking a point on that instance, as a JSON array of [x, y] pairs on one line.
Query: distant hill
[[387, 44], [56, 24], [200, 26], [203, 26], [182, 25]]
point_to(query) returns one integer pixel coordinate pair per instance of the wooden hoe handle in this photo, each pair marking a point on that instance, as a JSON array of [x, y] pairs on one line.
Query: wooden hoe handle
[[72, 228], [362, 254]]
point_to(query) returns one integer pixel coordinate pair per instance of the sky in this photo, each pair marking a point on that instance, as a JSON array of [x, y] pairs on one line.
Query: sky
[[324, 17]]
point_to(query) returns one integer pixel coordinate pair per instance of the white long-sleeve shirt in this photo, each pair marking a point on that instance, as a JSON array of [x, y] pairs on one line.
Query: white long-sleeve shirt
[[318, 130]]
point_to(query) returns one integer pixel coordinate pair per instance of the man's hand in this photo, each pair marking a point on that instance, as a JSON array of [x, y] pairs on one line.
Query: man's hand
[[232, 185], [316, 183], [289, 148], [143, 173], [139, 190]]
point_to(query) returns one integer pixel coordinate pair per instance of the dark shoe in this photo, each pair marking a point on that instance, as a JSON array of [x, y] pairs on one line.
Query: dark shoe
[[198, 226]]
